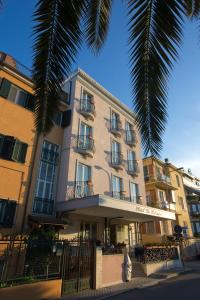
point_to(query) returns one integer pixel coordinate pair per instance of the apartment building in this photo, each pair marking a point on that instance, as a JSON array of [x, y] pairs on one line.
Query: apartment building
[[165, 190], [17, 139], [101, 187], [192, 191], [20, 148]]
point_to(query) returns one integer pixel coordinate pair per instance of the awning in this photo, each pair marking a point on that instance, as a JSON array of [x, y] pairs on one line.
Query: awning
[[107, 207], [47, 220], [192, 190]]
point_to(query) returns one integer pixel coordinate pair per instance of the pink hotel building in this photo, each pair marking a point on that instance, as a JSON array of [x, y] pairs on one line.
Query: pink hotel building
[[88, 170], [100, 188]]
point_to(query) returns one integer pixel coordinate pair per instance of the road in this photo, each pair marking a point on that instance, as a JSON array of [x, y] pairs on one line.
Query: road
[[185, 287]]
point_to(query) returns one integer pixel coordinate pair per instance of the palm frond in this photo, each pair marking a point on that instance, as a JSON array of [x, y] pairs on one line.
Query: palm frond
[[192, 8], [155, 31], [97, 20], [57, 39]]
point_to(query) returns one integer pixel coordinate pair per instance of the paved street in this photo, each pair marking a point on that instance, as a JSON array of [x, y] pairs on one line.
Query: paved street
[[185, 287]]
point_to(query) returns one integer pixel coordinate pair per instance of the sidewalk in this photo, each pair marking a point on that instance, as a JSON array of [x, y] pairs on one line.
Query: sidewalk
[[135, 283]]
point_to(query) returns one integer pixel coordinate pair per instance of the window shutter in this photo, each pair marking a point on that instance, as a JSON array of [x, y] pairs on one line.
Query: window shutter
[[1, 142], [5, 88], [9, 214], [66, 119], [7, 148], [19, 151], [16, 150], [30, 102]]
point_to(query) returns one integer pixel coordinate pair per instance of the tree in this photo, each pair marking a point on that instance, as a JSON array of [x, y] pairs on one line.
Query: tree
[[155, 33]]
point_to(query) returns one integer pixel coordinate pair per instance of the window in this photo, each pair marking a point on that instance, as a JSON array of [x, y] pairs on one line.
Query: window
[[7, 212], [196, 227], [150, 228], [85, 140], [17, 95], [134, 192], [131, 161], [146, 171], [83, 179], [115, 121], [117, 187], [165, 227], [12, 149], [87, 103], [181, 202], [178, 180], [116, 153], [130, 138], [45, 189], [63, 118]]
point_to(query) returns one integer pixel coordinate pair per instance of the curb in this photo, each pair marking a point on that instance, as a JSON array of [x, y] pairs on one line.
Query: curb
[[146, 285]]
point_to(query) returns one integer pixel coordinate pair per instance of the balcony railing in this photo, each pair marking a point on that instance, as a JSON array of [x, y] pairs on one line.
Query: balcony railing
[[133, 168], [119, 195], [164, 178], [116, 159], [87, 108], [131, 137], [43, 206], [15, 64], [83, 189], [195, 214], [116, 127], [86, 145]]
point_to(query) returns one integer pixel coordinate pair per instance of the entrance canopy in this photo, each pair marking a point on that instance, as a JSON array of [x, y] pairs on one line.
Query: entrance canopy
[[107, 207]]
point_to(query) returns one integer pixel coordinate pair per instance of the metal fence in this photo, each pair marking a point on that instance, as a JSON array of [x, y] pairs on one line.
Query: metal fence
[[156, 254], [26, 261]]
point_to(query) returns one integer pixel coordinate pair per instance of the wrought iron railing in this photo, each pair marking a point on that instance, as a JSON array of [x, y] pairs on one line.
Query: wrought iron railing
[[133, 166], [15, 64], [130, 137], [79, 189], [87, 106], [86, 142], [156, 254], [116, 158], [116, 125], [119, 195], [164, 178], [43, 206]]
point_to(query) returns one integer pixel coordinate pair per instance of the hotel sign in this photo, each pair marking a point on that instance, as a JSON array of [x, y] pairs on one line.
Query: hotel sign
[[149, 210]]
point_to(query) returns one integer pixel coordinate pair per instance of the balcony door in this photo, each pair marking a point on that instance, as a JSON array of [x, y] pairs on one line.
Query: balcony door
[[117, 186], [86, 101], [114, 120], [129, 132], [115, 152], [131, 160], [85, 136], [134, 192], [82, 178]]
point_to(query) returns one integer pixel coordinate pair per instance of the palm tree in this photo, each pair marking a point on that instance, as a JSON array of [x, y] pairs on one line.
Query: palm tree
[[155, 33]]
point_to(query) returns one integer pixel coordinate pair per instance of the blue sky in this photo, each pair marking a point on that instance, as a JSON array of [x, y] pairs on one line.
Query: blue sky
[[110, 68]]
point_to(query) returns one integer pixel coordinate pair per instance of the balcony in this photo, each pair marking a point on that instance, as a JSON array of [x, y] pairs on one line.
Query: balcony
[[43, 206], [120, 195], [87, 109], [117, 160], [131, 139], [85, 145], [195, 214], [161, 182], [116, 127], [193, 198], [133, 168], [80, 189]]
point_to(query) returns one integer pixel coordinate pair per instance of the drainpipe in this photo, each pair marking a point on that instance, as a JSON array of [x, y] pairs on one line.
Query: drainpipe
[[29, 182]]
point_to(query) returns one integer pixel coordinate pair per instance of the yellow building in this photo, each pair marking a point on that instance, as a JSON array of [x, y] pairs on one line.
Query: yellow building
[[164, 190], [21, 151], [17, 138]]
